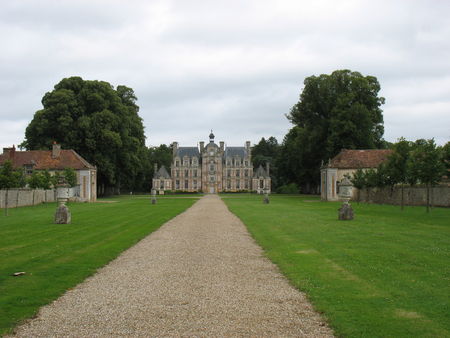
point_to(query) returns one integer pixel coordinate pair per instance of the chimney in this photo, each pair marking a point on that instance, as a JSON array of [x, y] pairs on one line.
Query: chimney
[[155, 167], [174, 148], [267, 168], [10, 152], [56, 150], [202, 146], [247, 145], [222, 145]]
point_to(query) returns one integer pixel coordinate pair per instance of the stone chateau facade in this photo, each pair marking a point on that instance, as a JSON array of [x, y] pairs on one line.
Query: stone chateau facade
[[211, 168]]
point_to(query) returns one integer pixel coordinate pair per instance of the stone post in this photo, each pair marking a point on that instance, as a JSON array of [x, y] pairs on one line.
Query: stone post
[[266, 196], [345, 193], [62, 215], [153, 196]]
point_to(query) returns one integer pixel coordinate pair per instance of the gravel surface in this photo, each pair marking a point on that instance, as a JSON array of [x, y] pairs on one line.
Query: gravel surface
[[199, 275]]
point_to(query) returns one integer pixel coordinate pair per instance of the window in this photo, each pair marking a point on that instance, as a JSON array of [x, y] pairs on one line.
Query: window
[[246, 172], [229, 172], [246, 184], [261, 183], [238, 173], [211, 178], [28, 169], [195, 184], [237, 161], [246, 163], [238, 184], [177, 184], [186, 173], [177, 163], [228, 162], [194, 161], [229, 184], [177, 173], [211, 167], [186, 184], [186, 161], [195, 173], [162, 184]]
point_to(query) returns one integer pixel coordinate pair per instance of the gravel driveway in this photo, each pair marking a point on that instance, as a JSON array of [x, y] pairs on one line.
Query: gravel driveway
[[199, 275]]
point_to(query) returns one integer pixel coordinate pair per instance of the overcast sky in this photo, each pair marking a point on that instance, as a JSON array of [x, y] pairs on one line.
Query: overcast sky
[[233, 66]]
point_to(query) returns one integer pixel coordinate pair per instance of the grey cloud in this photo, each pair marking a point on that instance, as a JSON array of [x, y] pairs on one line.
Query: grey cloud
[[234, 66]]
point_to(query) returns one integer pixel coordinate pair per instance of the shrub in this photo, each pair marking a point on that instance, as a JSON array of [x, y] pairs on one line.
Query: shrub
[[290, 188]]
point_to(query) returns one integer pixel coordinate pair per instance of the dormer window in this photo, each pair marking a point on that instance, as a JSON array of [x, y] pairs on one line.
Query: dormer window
[[28, 169], [186, 161]]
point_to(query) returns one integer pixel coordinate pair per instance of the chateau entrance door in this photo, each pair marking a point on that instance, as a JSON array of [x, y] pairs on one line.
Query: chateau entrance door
[[211, 190]]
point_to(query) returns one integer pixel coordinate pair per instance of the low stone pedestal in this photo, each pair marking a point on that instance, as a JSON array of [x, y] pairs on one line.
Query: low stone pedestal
[[62, 215], [266, 200], [345, 212], [153, 200]]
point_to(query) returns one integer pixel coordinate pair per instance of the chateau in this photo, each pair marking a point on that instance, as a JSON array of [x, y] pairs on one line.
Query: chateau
[[211, 169]]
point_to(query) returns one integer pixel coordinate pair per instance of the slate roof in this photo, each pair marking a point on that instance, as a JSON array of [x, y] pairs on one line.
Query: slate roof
[[162, 172], [260, 172], [42, 159], [188, 151], [359, 159], [235, 151]]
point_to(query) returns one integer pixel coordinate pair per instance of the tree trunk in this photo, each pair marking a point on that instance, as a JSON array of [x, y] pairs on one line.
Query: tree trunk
[[428, 198]]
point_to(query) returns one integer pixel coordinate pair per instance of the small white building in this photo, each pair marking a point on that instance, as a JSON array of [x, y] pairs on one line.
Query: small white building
[[345, 164]]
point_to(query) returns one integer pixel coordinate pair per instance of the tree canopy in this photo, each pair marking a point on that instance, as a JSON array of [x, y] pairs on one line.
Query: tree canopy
[[10, 178], [337, 111], [99, 122]]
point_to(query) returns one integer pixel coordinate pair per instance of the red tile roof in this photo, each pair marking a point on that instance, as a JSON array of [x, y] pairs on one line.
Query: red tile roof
[[359, 159], [42, 159]]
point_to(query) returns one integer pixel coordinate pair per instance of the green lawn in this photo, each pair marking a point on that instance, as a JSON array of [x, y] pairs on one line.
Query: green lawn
[[384, 274], [58, 257]]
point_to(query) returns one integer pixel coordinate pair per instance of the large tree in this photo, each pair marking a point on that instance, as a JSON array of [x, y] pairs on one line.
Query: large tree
[[336, 111], [99, 122]]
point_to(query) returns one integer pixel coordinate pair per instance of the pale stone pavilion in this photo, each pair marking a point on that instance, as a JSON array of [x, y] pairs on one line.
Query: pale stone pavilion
[[212, 168]]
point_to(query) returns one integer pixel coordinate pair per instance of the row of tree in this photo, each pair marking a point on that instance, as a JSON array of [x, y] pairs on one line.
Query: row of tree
[[11, 178], [100, 122], [411, 163]]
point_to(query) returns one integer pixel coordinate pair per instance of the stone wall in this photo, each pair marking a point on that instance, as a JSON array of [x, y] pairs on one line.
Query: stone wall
[[24, 197], [439, 196]]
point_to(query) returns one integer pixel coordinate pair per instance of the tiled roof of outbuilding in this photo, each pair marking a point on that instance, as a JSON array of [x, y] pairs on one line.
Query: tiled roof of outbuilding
[[188, 151], [359, 159], [42, 159]]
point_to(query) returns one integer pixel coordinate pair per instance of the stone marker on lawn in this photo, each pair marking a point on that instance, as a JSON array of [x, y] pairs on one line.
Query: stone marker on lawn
[[153, 196], [266, 196], [62, 215], [345, 193]]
